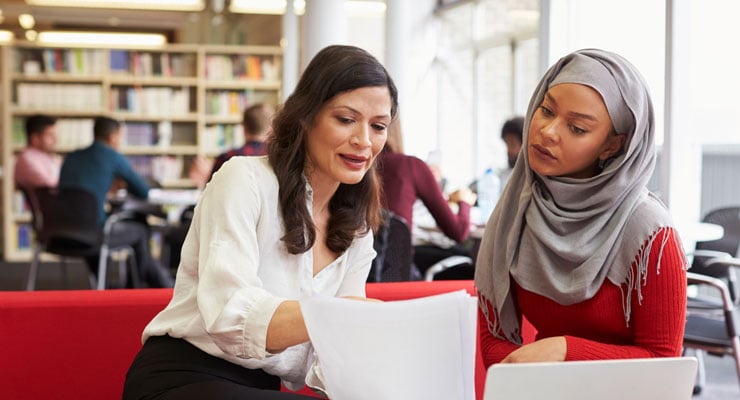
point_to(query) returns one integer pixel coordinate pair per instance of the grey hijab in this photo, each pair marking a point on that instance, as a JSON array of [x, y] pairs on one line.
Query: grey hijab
[[561, 237]]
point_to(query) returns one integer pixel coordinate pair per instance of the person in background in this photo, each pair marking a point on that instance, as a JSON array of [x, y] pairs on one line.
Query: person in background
[[38, 165], [95, 169], [407, 178], [577, 245], [266, 232], [256, 121], [256, 125], [511, 134]]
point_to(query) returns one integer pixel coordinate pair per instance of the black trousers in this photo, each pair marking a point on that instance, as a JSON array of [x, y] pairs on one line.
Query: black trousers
[[167, 369]]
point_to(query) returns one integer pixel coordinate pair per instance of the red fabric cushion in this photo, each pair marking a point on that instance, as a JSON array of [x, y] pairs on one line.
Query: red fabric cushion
[[72, 344], [78, 344]]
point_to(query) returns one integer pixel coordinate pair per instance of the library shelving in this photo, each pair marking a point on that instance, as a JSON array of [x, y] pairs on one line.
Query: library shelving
[[176, 102]]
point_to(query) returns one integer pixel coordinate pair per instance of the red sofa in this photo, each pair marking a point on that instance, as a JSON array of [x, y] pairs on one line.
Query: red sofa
[[78, 344]]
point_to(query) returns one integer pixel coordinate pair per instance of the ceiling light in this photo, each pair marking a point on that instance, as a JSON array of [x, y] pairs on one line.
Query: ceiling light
[[265, 6], [351, 7], [6, 36], [26, 21], [31, 35], [101, 38], [175, 5]]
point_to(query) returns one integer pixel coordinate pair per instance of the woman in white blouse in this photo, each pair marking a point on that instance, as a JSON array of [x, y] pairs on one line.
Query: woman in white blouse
[[268, 231]]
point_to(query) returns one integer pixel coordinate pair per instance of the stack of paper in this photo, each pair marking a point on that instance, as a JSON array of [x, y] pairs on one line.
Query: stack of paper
[[404, 350]]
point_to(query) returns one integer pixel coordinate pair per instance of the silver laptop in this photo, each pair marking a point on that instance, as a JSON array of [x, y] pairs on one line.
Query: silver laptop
[[634, 379]]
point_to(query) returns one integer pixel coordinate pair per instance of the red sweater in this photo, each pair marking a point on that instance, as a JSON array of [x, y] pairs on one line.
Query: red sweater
[[595, 329], [406, 178]]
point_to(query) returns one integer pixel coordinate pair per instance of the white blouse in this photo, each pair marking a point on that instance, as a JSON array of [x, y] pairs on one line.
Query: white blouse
[[235, 271]]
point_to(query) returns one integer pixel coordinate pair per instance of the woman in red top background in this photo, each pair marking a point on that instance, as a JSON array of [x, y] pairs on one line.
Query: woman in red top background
[[577, 244], [407, 178]]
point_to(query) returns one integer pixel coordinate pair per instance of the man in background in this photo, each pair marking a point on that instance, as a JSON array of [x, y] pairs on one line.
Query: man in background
[[511, 134], [256, 124], [95, 168], [38, 165], [256, 121]]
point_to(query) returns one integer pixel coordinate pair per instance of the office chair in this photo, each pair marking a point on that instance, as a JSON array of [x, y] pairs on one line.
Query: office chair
[[394, 261], [712, 325], [707, 254], [175, 237], [65, 223], [447, 264], [713, 332]]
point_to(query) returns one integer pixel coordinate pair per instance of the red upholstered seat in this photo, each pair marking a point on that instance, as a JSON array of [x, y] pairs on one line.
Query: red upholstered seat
[[78, 344]]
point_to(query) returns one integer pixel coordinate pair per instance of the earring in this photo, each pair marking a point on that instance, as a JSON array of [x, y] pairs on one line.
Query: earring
[[602, 163]]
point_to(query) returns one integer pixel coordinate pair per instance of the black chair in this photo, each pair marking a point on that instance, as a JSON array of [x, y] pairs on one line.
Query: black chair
[[707, 255], [65, 223], [715, 333], [394, 261], [712, 323], [175, 237]]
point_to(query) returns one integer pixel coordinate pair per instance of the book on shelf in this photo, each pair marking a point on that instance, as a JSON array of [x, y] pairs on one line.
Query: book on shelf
[[20, 206], [24, 236], [158, 168], [151, 101], [221, 137], [60, 61], [119, 62], [74, 133], [60, 96], [138, 134], [18, 130], [227, 103]]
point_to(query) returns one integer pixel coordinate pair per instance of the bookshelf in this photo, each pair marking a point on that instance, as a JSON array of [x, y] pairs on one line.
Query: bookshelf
[[175, 102]]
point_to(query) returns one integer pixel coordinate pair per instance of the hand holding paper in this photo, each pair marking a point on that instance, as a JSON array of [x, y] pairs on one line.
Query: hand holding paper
[[406, 350]]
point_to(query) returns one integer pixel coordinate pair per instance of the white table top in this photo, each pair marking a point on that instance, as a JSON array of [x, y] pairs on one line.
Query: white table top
[[692, 232]]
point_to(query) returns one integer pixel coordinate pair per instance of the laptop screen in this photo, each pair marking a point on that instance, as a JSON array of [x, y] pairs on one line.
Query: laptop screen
[[634, 379]]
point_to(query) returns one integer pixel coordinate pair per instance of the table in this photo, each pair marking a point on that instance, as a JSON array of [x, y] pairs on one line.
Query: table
[[164, 203], [693, 231]]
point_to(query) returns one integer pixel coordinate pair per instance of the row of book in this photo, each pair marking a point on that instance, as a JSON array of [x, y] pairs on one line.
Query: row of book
[[221, 137], [60, 96], [151, 101], [227, 103], [76, 133], [163, 64], [239, 66], [19, 205], [67, 61], [72, 133], [158, 168]]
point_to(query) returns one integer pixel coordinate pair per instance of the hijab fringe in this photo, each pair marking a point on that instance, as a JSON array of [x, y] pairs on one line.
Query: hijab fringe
[[637, 277], [494, 324]]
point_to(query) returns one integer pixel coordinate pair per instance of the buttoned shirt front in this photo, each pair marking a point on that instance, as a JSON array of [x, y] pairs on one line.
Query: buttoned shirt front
[[235, 271]]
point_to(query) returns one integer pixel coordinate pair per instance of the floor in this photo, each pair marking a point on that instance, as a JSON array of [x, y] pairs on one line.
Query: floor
[[722, 380]]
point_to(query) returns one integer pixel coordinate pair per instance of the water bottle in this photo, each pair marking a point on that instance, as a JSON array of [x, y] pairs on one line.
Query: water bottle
[[489, 188]]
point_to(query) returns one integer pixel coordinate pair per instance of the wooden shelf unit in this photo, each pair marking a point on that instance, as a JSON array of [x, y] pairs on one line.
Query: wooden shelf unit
[[176, 102]]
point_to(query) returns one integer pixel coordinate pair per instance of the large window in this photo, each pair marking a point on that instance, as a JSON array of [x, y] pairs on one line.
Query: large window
[[486, 71]]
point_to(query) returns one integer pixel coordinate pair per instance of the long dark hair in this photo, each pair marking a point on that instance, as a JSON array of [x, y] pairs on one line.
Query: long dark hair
[[355, 209]]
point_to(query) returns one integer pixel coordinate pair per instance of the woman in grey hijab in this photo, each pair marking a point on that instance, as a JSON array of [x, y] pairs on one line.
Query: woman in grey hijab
[[577, 245]]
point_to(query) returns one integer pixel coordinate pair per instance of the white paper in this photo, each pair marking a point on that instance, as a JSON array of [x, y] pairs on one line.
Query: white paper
[[406, 350]]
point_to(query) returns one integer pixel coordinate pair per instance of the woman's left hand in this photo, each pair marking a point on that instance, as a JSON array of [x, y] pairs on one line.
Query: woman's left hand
[[548, 349]]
